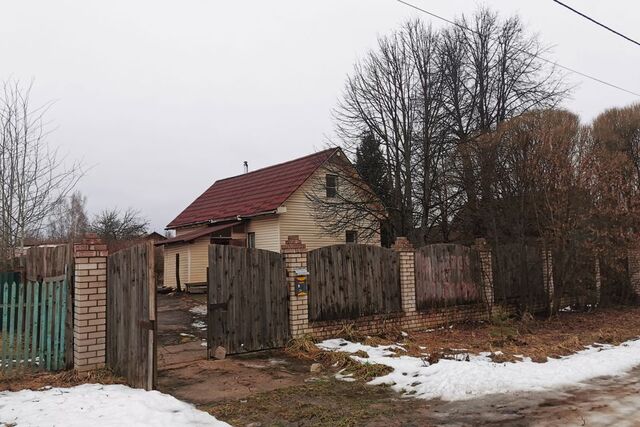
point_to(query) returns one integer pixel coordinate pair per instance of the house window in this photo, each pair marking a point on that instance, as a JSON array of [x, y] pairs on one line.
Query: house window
[[352, 236], [251, 240], [331, 185]]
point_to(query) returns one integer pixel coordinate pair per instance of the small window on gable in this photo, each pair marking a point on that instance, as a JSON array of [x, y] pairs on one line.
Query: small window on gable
[[351, 237], [251, 240], [331, 185]]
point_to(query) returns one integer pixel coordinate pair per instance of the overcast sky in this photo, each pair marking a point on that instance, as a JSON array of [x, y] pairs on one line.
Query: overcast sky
[[160, 98]]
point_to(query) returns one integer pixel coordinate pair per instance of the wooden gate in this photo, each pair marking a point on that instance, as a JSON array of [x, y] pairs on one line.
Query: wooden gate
[[131, 315], [447, 274], [351, 281], [33, 316], [518, 276], [248, 300]]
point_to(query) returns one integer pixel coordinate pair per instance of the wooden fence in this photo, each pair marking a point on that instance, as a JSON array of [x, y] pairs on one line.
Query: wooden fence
[[518, 276], [446, 275], [350, 281], [131, 315], [248, 300], [33, 324]]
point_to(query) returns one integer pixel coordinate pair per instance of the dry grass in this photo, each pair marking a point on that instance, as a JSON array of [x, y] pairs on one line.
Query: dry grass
[[538, 338], [21, 380]]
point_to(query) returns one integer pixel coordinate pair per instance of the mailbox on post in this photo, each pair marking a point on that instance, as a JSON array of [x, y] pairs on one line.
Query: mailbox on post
[[300, 280]]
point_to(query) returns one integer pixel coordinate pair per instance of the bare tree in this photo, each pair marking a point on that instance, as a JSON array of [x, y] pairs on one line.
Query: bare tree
[[69, 220], [427, 96], [34, 178], [115, 225]]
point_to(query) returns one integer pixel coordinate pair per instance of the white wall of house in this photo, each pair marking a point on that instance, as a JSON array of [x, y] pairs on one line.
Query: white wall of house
[[267, 231]]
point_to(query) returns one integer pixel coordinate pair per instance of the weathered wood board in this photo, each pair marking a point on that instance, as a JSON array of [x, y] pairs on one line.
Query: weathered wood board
[[131, 315], [248, 300], [351, 281]]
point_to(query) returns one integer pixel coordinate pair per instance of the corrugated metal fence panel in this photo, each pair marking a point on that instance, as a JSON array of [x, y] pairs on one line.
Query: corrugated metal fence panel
[[33, 325]]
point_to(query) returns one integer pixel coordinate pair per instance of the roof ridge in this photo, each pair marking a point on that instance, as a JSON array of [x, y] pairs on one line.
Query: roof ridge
[[277, 164]]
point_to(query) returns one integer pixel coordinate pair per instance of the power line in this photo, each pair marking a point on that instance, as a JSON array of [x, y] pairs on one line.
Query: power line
[[571, 70], [596, 22]]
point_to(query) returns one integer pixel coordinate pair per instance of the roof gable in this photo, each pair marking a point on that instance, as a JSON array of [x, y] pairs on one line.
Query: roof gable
[[253, 193]]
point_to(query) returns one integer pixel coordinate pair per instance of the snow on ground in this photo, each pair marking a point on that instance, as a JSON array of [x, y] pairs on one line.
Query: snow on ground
[[199, 324], [98, 405], [199, 310], [477, 375]]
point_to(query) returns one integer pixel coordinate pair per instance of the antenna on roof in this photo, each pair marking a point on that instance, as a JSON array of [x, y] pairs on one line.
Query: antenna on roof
[[246, 166]]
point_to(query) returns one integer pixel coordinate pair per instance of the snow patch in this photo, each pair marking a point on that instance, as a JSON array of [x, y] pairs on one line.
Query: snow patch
[[199, 310], [476, 375], [99, 405], [199, 324]]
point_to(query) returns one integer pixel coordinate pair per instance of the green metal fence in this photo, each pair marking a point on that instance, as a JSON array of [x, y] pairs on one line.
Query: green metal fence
[[33, 324]]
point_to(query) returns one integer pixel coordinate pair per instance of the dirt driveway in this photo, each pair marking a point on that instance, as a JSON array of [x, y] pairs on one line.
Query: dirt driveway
[[273, 388]]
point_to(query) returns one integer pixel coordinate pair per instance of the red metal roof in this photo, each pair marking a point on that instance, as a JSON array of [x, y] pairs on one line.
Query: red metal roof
[[252, 193], [200, 232]]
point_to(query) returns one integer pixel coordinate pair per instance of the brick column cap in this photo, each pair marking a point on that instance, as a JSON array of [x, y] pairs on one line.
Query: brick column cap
[[294, 243], [402, 244]]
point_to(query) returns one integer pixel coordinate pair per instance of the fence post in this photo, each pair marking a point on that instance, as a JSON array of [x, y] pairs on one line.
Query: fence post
[[89, 303], [486, 272], [633, 263], [547, 275], [407, 256], [598, 281], [295, 257]]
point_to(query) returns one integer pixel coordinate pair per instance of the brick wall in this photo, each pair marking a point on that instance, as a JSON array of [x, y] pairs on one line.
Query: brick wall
[[407, 257], [486, 273], [295, 257], [634, 270], [89, 306]]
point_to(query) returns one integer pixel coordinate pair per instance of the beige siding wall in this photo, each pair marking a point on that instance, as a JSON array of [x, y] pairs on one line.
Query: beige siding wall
[[299, 219], [184, 230], [193, 262], [267, 232]]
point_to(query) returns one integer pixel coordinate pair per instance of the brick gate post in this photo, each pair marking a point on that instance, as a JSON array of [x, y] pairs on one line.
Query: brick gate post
[[486, 272], [547, 275], [633, 263], [407, 256], [89, 303], [295, 257]]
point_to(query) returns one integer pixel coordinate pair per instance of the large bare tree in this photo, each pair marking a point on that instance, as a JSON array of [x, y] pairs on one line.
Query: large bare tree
[[34, 177], [427, 96]]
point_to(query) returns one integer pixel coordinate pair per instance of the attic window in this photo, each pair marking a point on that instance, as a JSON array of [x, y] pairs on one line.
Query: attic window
[[351, 237], [331, 182]]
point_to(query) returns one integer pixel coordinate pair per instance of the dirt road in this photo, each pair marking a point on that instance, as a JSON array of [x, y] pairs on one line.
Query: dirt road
[[603, 402]]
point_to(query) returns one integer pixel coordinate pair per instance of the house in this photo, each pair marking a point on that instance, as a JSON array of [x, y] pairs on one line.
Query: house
[[258, 209]]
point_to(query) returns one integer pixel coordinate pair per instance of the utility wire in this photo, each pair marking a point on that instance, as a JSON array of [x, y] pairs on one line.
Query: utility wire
[[571, 70], [596, 22]]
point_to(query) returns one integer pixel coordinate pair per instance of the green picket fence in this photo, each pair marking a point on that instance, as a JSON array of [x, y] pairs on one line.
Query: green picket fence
[[33, 324]]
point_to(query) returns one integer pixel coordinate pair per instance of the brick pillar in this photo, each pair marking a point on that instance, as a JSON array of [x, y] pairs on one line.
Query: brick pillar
[[89, 303], [547, 274], [633, 260], [598, 280], [407, 256], [486, 272], [295, 257]]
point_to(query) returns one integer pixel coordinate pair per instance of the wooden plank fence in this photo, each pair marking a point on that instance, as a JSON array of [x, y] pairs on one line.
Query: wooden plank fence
[[33, 324], [446, 275], [351, 281], [131, 315], [248, 300], [518, 276]]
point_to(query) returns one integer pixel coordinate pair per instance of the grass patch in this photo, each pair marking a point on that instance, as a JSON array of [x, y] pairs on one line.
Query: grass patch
[[28, 379]]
